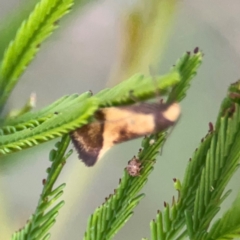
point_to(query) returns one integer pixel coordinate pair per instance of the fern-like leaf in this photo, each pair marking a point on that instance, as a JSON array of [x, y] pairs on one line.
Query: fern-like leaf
[[187, 67], [33, 31], [118, 208], [209, 170], [54, 121], [228, 226], [71, 112], [176, 217], [169, 222], [221, 163], [43, 219], [141, 87]]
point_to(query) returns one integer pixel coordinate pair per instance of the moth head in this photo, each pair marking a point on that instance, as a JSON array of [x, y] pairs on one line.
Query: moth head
[[167, 116], [172, 113]]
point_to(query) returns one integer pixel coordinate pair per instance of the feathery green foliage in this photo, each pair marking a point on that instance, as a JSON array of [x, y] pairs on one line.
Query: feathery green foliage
[[47, 209], [208, 172], [107, 219], [228, 226], [213, 164], [54, 121], [139, 87], [71, 112], [118, 207], [187, 67], [12, 20], [220, 164], [40, 24]]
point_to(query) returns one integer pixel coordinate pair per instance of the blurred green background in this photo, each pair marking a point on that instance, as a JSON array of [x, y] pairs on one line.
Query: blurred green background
[[80, 56]]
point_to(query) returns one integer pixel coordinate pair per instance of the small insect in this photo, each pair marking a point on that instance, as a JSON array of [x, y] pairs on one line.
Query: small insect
[[114, 125], [134, 167]]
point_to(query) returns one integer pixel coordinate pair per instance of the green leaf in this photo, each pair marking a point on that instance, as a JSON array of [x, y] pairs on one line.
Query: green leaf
[[221, 163], [167, 226], [17, 16], [118, 208], [71, 112], [228, 226], [54, 121], [47, 209], [33, 31], [187, 67], [113, 214], [213, 164], [138, 87], [12, 20]]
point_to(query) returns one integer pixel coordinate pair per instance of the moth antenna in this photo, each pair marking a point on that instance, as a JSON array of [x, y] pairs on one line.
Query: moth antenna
[[168, 133], [152, 72]]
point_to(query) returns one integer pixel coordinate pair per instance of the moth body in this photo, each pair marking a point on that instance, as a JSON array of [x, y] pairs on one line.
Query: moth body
[[119, 124]]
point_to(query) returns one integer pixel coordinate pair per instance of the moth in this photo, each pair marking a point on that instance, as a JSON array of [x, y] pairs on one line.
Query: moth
[[114, 125]]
